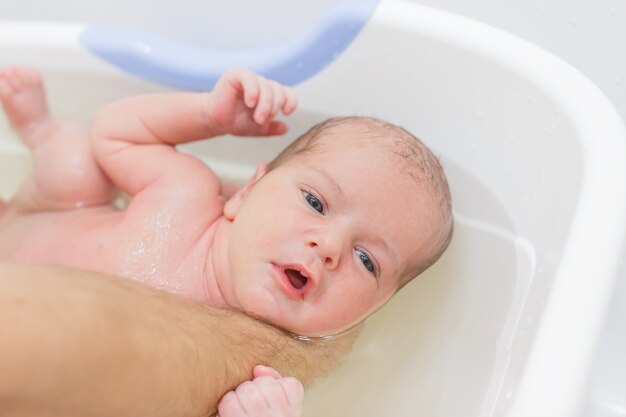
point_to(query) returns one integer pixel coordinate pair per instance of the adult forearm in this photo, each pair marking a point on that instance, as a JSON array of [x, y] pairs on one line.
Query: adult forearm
[[75, 343]]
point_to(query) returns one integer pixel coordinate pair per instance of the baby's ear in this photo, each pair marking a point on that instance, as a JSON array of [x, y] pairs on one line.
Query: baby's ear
[[232, 205]]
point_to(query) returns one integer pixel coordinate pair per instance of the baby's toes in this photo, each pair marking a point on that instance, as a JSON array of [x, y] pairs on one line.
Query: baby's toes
[[6, 87], [20, 78], [30, 77], [15, 77]]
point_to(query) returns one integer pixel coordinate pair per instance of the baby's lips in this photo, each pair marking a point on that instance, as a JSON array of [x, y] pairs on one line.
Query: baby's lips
[[310, 276], [297, 279]]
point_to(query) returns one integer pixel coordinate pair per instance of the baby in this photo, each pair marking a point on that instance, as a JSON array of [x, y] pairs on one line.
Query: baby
[[313, 243]]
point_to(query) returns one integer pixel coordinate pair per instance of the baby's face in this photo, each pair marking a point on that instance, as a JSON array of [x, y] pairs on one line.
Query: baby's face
[[321, 241]]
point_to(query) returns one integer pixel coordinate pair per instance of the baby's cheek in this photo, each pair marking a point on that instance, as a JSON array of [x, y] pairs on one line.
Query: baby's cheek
[[350, 307], [260, 299]]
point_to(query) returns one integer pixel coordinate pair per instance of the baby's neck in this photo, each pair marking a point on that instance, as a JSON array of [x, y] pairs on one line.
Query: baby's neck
[[217, 284]]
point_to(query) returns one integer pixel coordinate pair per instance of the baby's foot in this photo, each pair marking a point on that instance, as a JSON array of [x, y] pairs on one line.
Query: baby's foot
[[24, 100]]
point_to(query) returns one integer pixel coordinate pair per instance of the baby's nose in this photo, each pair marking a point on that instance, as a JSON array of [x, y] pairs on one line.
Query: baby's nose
[[329, 247]]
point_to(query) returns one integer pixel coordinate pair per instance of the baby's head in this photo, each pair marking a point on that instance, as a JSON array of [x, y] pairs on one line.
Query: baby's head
[[341, 220]]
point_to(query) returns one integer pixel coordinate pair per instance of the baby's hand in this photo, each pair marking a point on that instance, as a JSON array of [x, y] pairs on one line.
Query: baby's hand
[[244, 104], [268, 394]]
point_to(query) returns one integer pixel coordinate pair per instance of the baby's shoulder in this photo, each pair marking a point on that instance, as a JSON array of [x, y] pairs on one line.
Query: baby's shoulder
[[193, 194], [196, 178]]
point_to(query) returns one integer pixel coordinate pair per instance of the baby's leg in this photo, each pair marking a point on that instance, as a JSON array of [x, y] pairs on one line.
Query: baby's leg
[[65, 173]]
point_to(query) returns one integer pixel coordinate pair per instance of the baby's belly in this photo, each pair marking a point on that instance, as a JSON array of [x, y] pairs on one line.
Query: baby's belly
[[98, 239], [74, 239]]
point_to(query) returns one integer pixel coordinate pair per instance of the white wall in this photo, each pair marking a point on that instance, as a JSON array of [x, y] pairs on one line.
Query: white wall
[[232, 23], [589, 34]]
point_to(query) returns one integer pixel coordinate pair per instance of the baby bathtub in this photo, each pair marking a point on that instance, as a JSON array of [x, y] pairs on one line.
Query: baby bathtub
[[506, 323]]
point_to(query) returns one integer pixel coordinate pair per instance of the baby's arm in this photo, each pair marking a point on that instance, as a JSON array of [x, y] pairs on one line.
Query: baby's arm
[[268, 394], [242, 103]]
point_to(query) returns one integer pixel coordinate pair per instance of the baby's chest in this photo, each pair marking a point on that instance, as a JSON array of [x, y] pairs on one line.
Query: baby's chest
[[154, 247], [157, 250]]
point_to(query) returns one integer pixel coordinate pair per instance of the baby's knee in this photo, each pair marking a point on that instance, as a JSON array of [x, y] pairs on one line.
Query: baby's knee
[[66, 170]]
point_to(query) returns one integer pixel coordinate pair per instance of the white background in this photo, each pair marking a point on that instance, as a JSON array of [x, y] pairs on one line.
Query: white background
[[588, 34]]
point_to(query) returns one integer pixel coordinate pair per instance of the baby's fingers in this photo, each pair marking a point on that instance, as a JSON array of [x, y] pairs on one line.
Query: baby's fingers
[[293, 390], [280, 96], [265, 102], [252, 399], [283, 395], [229, 406], [291, 101], [245, 82], [251, 90], [262, 370], [284, 99]]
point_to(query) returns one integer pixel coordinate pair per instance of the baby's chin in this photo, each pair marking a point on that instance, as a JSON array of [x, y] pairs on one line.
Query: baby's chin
[[295, 317], [326, 332], [308, 328]]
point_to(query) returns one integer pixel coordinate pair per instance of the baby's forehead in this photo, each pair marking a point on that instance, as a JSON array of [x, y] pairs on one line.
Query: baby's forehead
[[367, 131], [347, 139], [402, 153], [357, 131]]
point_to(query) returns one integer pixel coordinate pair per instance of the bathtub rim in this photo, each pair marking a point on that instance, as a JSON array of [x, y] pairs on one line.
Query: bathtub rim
[[562, 341]]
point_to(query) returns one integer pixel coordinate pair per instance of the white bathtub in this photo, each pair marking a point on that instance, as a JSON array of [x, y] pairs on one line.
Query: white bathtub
[[507, 322]]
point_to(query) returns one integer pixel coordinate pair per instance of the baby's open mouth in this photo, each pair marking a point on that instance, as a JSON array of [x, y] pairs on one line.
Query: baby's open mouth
[[297, 280]]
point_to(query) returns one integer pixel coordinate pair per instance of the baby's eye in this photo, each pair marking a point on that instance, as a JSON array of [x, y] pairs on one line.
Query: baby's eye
[[314, 202], [367, 262]]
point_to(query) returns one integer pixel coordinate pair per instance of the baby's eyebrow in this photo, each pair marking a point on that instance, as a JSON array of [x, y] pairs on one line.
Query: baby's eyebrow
[[380, 241], [328, 178]]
